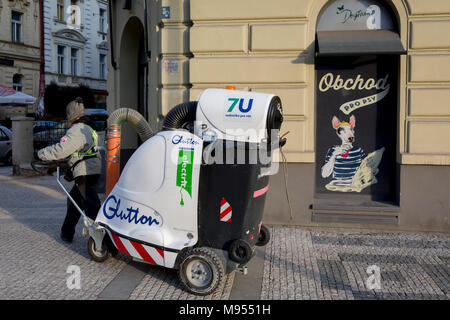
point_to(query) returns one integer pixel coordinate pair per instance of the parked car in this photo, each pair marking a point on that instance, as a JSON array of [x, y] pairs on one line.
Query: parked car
[[46, 133], [99, 118], [5, 145], [39, 126]]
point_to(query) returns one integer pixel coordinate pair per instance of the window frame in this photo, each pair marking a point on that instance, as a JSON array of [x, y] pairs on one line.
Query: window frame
[[102, 66], [74, 61], [18, 86], [16, 25], [60, 10], [102, 20], [61, 59]]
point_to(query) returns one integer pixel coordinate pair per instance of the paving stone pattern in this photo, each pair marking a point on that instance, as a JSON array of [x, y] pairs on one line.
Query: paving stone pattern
[[34, 261], [301, 264]]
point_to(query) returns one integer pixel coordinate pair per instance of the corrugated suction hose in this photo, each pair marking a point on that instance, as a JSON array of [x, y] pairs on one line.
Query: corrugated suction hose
[[115, 121], [180, 115]]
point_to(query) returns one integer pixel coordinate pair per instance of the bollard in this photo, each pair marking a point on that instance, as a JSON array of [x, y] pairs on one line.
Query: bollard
[[22, 144]]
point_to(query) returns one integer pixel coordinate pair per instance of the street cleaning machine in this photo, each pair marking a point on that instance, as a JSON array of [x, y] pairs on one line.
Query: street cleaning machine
[[192, 196]]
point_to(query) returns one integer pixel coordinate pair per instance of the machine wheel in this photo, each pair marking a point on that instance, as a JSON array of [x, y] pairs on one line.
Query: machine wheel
[[263, 237], [98, 255], [240, 251], [113, 251], [201, 271]]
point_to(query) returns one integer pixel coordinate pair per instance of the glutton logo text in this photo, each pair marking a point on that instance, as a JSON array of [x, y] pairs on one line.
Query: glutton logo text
[[176, 139]]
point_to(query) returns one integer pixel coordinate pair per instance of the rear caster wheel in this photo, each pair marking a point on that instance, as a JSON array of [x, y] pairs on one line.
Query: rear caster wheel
[[201, 271], [263, 237], [240, 251], [98, 254]]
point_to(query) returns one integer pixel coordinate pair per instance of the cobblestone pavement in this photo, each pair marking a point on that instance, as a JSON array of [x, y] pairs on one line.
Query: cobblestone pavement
[[161, 284], [34, 261], [301, 264]]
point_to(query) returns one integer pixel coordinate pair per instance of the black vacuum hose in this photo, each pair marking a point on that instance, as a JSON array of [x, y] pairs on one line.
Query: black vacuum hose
[[179, 115]]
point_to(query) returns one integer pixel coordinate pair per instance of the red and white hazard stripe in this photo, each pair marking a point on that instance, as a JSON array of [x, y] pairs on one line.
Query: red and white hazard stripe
[[138, 250], [225, 211]]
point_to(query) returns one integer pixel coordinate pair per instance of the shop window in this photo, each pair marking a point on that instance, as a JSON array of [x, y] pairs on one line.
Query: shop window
[[357, 58]]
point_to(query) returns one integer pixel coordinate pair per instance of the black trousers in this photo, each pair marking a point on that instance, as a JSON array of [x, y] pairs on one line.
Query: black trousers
[[85, 195]]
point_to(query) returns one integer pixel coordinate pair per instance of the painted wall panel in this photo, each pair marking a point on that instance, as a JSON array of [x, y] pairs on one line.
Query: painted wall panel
[[429, 102], [429, 68], [170, 97], [295, 139], [248, 9], [429, 137], [230, 70], [219, 38], [423, 34], [278, 37], [174, 71], [428, 7], [175, 40], [293, 100]]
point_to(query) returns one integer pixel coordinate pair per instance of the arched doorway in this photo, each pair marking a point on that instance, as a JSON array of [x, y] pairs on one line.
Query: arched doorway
[[357, 63], [132, 77]]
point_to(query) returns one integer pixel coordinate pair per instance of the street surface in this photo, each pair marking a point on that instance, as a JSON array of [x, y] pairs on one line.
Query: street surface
[[296, 264]]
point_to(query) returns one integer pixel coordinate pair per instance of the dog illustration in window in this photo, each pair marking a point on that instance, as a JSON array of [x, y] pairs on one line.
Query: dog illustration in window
[[348, 165]]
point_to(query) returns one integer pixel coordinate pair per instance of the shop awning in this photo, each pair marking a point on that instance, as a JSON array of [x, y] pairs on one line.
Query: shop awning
[[361, 42], [10, 96]]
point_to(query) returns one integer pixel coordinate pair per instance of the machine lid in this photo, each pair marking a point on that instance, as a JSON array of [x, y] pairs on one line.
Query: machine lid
[[235, 113]]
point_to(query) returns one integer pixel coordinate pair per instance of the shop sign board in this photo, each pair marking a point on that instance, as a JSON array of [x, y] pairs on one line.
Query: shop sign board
[[356, 113], [355, 15]]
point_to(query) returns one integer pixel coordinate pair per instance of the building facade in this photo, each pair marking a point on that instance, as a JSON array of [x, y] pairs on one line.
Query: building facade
[[363, 83], [20, 57], [75, 44]]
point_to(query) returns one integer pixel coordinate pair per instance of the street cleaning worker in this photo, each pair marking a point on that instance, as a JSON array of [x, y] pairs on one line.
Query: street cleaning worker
[[80, 144]]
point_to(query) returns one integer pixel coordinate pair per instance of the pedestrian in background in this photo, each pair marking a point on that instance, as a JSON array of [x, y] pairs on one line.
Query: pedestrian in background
[[80, 144]]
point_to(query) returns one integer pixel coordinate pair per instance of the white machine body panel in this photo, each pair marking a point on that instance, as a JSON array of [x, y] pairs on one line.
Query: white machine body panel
[[155, 200], [233, 115]]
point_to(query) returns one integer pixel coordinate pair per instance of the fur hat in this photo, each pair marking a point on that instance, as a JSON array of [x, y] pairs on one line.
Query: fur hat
[[75, 109]]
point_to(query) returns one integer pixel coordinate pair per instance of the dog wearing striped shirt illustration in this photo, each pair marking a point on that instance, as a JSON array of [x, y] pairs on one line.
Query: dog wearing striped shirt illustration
[[349, 166]]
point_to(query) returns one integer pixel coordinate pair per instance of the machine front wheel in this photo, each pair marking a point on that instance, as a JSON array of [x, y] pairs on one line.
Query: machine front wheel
[[201, 271], [99, 255]]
